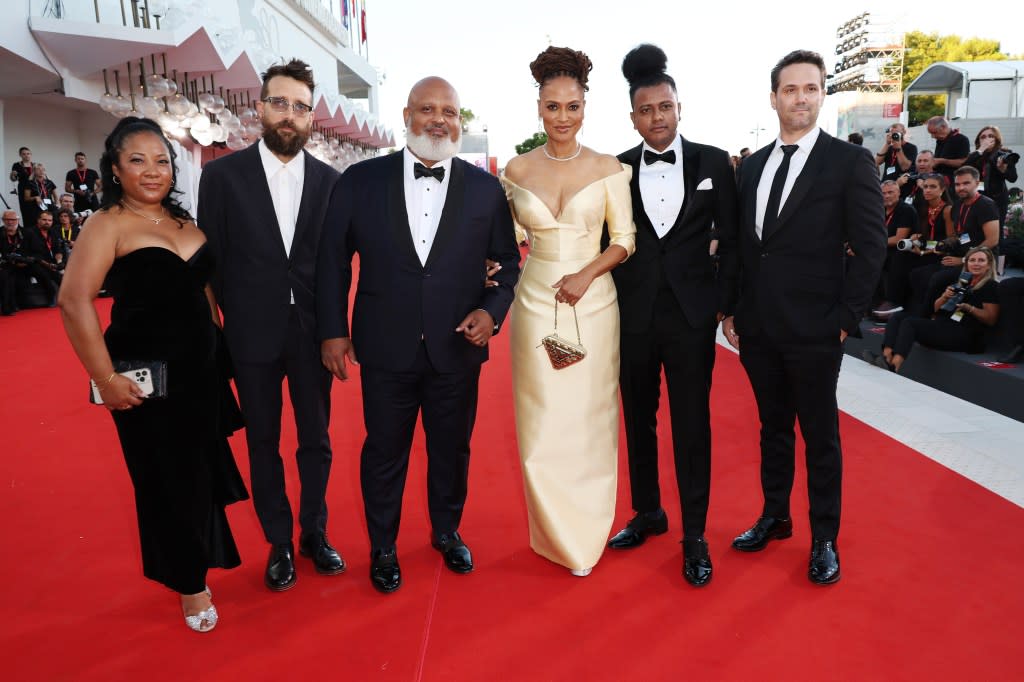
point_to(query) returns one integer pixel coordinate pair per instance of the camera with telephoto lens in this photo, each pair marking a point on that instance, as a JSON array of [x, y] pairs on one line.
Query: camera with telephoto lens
[[895, 136], [951, 246], [909, 244], [960, 289], [1008, 157]]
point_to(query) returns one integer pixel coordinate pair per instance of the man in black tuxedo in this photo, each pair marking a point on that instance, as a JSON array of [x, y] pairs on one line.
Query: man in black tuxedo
[[262, 210], [804, 200], [670, 303], [422, 223]]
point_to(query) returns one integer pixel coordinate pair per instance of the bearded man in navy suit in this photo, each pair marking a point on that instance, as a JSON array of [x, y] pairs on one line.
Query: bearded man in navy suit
[[423, 224]]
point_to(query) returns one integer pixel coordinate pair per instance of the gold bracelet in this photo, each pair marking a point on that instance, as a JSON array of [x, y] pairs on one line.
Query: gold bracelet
[[106, 382]]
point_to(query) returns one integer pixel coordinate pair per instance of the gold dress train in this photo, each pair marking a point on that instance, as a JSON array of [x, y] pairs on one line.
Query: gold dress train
[[567, 421]]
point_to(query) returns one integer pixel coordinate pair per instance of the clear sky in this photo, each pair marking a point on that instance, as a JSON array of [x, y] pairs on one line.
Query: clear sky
[[720, 54]]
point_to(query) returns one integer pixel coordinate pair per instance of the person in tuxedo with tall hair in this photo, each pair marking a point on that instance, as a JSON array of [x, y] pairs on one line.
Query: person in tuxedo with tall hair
[[806, 201], [670, 303], [262, 209], [423, 223]]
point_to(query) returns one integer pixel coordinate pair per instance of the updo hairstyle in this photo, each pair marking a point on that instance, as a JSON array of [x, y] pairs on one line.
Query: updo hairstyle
[[561, 61], [644, 67], [112, 147]]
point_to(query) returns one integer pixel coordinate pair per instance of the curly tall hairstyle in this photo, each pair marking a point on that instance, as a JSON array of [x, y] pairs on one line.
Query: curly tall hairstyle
[[113, 193], [561, 61], [644, 67]]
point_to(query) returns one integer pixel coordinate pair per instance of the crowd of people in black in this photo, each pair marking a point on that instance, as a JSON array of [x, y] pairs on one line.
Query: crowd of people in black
[[35, 249]]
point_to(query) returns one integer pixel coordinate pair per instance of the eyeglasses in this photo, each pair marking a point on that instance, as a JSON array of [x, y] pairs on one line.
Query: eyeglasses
[[281, 105]]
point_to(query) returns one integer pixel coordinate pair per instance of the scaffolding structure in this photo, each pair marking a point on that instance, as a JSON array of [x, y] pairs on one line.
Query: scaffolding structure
[[870, 56]]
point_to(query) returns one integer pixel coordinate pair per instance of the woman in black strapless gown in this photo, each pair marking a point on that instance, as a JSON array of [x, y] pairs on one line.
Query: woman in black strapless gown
[[157, 266]]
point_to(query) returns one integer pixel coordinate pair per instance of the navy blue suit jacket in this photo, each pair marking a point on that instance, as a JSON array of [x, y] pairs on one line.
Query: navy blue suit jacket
[[400, 302]]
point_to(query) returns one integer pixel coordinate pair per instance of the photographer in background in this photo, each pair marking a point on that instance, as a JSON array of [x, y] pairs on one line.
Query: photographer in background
[[36, 193], [11, 263], [951, 147], [44, 247], [910, 182], [83, 183], [896, 156], [997, 166], [975, 223], [959, 316], [934, 224], [900, 223], [67, 203]]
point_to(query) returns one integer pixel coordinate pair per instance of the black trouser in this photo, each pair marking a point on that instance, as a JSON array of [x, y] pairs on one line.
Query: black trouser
[[8, 289], [45, 276], [259, 392], [1011, 308], [391, 402], [902, 266], [688, 355], [943, 333], [798, 381], [927, 283]]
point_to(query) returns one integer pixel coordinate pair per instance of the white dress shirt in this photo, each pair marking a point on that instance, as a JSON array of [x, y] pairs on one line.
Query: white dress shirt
[[285, 181], [662, 188], [424, 201], [796, 164]]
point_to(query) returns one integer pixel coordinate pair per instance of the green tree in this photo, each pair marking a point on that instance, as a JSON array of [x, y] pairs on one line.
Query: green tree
[[467, 117], [536, 140], [924, 49]]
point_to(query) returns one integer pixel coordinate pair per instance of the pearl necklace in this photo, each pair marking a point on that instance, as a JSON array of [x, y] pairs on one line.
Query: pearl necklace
[[579, 148], [155, 221]]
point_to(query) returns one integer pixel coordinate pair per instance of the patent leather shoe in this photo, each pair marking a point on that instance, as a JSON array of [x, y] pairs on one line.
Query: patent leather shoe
[[280, 574], [385, 574], [325, 558], [639, 528], [696, 561], [824, 565], [457, 556], [767, 528], [1015, 356]]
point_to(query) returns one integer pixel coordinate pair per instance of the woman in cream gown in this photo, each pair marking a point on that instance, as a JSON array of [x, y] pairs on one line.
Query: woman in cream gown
[[567, 421]]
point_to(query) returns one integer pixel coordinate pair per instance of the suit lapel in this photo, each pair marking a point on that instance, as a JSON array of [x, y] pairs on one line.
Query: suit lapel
[[634, 157], [310, 185], [451, 214], [399, 218], [262, 203], [751, 177], [691, 172], [804, 181]]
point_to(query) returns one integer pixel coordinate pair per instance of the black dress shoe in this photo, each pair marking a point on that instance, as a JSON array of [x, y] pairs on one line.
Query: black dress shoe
[[1015, 356], [767, 528], [639, 528], [456, 554], [385, 574], [280, 575], [325, 558], [824, 565], [696, 561]]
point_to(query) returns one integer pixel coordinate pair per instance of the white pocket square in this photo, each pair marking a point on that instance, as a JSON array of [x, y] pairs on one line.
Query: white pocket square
[[704, 184]]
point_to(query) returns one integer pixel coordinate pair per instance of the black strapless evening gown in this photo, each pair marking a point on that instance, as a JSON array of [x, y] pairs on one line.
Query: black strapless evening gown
[[176, 447]]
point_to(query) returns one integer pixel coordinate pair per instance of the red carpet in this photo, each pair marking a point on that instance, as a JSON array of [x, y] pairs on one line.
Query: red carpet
[[931, 565]]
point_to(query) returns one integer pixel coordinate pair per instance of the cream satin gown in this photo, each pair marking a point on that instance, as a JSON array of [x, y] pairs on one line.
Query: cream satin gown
[[567, 420]]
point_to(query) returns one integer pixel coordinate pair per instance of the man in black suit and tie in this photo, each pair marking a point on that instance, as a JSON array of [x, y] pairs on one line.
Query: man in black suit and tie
[[423, 224], [803, 200], [670, 303], [262, 210]]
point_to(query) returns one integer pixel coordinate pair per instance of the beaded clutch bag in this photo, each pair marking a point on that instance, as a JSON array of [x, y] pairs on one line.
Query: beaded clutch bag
[[562, 352]]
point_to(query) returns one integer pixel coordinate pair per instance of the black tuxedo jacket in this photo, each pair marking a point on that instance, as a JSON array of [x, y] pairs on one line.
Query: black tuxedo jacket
[[400, 302], [254, 274], [796, 283], [681, 256]]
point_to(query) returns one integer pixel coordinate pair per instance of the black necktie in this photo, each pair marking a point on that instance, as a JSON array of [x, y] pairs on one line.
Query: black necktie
[[421, 171], [651, 157], [771, 211]]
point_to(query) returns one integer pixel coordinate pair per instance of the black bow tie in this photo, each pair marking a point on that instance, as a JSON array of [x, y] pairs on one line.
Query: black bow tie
[[668, 157], [421, 171]]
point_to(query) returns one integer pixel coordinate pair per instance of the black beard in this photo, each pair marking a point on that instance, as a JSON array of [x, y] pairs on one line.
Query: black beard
[[285, 146]]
